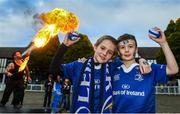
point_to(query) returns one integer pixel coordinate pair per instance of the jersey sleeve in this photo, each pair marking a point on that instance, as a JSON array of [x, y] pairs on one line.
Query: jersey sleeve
[[159, 71], [70, 69], [115, 63]]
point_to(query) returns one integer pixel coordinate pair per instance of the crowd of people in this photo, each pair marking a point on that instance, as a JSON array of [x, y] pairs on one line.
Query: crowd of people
[[59, 88], [100, 83], [16, 83]]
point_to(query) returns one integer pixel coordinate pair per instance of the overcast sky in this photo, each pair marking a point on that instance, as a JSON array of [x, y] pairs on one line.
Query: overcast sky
[[97, 18]]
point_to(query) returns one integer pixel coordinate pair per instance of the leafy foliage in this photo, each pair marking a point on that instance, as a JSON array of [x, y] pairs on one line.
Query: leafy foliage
[[82, 48], [41, 58]]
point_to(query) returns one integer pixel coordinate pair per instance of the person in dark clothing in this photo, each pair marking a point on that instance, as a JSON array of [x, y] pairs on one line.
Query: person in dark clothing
[[15, 82], [65, 103], [48, 91], [26, 79]]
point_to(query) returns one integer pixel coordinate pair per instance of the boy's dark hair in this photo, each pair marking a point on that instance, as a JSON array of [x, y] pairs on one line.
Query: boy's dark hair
[[127, 37]]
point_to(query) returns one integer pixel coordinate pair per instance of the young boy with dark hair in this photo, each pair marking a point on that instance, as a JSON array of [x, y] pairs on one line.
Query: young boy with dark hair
[[134, 92]]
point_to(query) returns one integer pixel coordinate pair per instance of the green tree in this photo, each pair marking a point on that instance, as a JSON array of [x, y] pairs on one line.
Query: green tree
[[82, 48], [170, 28], [41, 57]]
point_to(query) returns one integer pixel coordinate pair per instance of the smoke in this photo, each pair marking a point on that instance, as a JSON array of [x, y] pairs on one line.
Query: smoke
[[37, 22], [23, 8]]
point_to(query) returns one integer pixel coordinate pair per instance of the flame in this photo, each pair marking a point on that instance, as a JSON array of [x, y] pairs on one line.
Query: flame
[[44, 35], [23, 65], [58, 20], [64, 20]]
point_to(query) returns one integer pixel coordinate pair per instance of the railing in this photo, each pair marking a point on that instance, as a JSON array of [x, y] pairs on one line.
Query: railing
[[168, 90], [30, 87], [2, 86], [163, 90], [35, 87]]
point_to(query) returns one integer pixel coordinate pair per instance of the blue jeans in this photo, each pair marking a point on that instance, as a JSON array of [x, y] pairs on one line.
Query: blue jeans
[[56, 102]]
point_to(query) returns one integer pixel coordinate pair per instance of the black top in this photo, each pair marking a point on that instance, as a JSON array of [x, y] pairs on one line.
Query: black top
[[66, 89], [55, 68], [16, 75], [48, 85]]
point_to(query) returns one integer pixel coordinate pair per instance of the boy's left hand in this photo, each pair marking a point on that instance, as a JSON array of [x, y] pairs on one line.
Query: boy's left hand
[[161, 40]]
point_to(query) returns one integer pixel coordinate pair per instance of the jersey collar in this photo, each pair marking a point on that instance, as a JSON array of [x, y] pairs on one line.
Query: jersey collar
[[126, 70]]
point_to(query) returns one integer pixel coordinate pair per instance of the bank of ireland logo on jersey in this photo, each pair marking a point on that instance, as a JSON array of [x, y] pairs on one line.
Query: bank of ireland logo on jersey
[[125, 86], [138, 77]]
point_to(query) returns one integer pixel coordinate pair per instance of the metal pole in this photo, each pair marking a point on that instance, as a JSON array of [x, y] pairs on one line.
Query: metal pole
[[4, 76]]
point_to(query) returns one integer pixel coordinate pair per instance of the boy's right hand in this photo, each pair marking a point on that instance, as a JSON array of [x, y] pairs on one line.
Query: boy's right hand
[[69, 42], [161, 40]]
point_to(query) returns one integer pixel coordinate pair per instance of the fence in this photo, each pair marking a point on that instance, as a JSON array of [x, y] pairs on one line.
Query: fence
[[168, 90], [164, 90], [35, 87], [30, 87]]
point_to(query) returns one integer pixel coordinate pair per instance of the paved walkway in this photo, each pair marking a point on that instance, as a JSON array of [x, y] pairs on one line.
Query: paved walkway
[[33, 102]]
